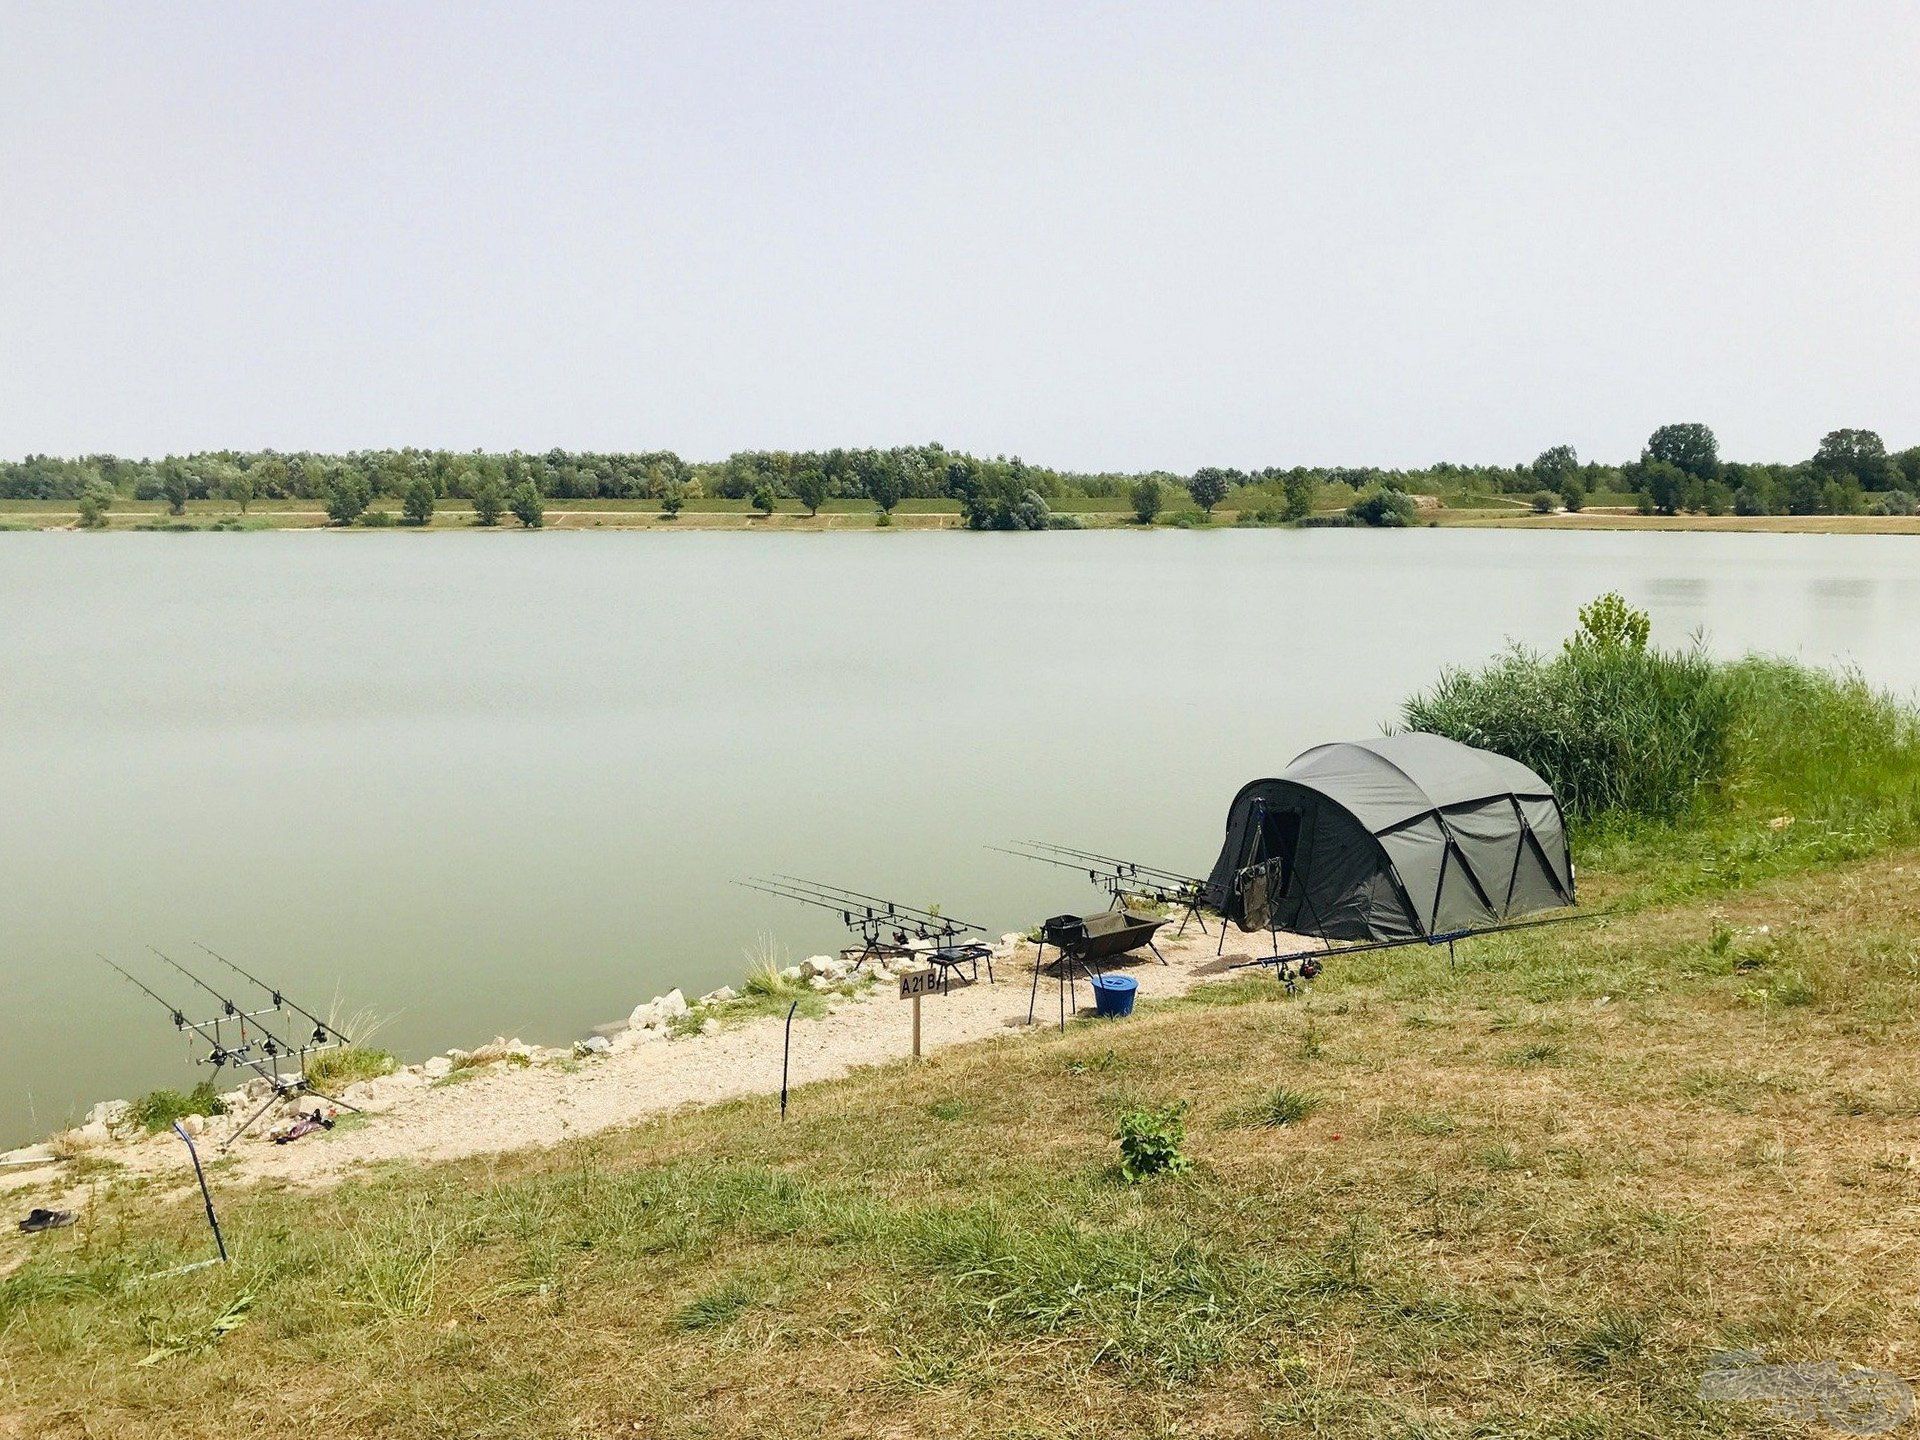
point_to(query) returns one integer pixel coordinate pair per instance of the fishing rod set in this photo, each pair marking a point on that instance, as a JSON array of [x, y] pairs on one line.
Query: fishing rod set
[[270, 1038], [888, 929], [1121, 878]]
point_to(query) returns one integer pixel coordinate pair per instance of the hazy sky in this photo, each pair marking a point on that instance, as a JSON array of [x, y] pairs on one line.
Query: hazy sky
[[1096, 236]]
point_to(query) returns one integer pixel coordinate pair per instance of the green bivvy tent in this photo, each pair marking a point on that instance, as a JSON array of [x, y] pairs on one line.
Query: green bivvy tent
[[1403, 838]]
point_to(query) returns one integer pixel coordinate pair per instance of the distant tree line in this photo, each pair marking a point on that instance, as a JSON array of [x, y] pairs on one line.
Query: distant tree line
[[1680, 469]]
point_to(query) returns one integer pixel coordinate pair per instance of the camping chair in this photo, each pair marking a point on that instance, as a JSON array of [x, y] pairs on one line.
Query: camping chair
[[1083, 942]]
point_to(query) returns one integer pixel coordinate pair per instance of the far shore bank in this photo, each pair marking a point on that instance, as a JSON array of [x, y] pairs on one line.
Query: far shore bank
[[215, 516]]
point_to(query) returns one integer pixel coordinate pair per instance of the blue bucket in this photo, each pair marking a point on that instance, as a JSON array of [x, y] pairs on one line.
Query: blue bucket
[[1113, 994]]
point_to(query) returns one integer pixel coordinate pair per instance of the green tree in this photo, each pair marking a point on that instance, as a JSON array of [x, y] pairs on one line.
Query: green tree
[[1690, 448], [95, 500], [418, 501], [347, 496], [240, 488], [673, 496], [1301, 488], [1665, 486], [1855, 454], [1573, 492], [885, 485], [762, 498], [1553, 466], [1209, 487], [175, 486], [810, 487], [1147, 499], [526, 506], [1545, 502], [489, 500]]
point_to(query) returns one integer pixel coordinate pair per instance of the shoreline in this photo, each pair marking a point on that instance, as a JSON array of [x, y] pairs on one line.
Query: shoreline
[[670, 1055]]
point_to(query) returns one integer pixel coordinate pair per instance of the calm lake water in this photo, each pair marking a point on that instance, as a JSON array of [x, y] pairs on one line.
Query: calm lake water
[[499, 783]]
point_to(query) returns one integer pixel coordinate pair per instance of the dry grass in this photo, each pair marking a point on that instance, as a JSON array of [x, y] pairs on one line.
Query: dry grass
[[1536, 1192]]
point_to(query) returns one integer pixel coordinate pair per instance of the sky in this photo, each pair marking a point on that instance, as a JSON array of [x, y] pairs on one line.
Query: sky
[[1096, 236]]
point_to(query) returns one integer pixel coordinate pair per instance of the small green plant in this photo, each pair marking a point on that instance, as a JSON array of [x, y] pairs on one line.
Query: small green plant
[[377, 519], [1310, 1047], [762, 498], [157, 1111], [1150, 1139]]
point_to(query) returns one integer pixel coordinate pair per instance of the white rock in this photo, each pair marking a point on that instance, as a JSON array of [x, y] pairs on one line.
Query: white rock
[[438, 1068], [194, 1124], [672, 1005], [258, 1088], [94, 1132], [792, 974], [820, 982], [108, 1112], [593, 1045], [720, 996], [709, 1026], [1011, 940]]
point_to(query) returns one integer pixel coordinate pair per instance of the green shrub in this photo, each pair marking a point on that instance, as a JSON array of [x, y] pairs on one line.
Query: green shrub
[[1545, 502], [1385, 506], [1610, 724], [1620, 728], [157, 1111], [1150, 1142], [377, 519]]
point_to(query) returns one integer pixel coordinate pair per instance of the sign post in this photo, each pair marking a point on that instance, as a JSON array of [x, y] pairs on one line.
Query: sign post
[[917, 984]]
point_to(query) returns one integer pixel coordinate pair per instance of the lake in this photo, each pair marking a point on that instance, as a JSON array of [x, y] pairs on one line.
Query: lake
[[488, 784]]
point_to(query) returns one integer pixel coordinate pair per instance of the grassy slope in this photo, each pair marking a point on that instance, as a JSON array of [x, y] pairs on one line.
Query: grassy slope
[[1540, 1189]]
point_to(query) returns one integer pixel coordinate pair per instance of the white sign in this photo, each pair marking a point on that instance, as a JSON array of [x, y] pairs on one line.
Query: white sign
[[915, 983]]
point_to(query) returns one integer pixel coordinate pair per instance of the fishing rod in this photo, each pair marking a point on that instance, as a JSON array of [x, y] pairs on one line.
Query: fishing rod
[[1129, 867], [858, 912], [321, 1029], [220, 1052], [1120, 878], [894, 908]]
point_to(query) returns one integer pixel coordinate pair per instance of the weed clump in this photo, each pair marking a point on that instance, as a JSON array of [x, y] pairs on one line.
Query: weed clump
[[1278, 1107], [1150, 1139]]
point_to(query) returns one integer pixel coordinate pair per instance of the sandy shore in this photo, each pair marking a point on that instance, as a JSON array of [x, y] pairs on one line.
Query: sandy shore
[[503, 1106]]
